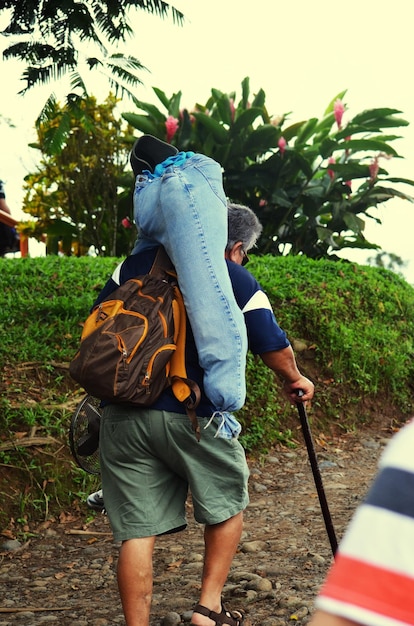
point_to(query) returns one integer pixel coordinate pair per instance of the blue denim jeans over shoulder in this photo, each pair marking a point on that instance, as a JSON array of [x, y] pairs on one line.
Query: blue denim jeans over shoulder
[[185, 210]]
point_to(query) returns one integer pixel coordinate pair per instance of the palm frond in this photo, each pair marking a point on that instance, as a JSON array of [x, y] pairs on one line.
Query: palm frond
[[105, 22], [120, 71], [57, 29], [120, 89], [33, 75], [23, 17], [128, 62], [178, 16], [49, 110], [158, 7], [31, 52], [93, 62], [82, 22], [77, 82], [126, 77], [36, 76]]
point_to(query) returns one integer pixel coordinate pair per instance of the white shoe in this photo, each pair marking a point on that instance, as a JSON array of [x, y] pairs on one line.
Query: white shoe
[[95, 501]]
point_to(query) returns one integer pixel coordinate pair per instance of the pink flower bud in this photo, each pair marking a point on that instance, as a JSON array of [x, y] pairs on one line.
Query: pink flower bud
[[171, 126], [282, 145], [338, 111], [126, 222], [232, 109], [331, 172], [373, 169]]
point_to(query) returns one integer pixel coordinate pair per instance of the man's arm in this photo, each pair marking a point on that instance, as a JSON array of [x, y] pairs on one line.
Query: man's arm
[[283, 363]]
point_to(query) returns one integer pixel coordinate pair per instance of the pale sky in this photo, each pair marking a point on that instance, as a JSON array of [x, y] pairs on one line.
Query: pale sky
[[301, 53]]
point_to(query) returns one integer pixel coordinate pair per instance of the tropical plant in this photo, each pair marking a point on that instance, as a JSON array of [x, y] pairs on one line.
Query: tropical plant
[[56, 39], [82, 194], [55, 29], [311, 183]]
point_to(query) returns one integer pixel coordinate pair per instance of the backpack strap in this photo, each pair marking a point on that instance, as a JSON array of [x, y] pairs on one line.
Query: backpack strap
[[162, 264], [185, 390], [191, 401]]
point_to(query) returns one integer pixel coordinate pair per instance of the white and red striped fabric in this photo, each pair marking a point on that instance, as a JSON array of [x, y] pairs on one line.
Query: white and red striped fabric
[[372, 579]]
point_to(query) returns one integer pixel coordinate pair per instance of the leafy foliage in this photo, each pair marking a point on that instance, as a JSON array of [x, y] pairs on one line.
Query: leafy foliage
[[75, 193], [354, 321], [64, 295], [53, 32], [356, 318], [72, 38], [311, 183]]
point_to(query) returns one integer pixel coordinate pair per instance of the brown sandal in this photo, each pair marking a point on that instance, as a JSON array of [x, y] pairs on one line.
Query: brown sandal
[[225, 618]]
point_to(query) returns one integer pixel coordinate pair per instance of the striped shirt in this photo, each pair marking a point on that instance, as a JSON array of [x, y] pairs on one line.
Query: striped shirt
[[372, 579]]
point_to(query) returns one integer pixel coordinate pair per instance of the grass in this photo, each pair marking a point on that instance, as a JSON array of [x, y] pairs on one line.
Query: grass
[[352, 328]]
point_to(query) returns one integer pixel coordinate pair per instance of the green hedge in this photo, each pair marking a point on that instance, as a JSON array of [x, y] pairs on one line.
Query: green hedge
[[354, 326]]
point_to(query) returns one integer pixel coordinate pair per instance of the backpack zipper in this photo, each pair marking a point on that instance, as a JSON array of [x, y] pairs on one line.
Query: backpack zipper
[[148, 374]]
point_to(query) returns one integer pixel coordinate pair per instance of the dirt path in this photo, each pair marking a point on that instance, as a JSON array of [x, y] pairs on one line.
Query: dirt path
[[65, 575]]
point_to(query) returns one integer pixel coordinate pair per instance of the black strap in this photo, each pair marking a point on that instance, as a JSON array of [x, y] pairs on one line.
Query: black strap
[[225, 618], [162, 263]]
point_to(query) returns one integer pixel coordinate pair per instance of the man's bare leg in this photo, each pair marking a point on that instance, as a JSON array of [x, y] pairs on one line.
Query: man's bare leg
[[135, 579], [221, 541]]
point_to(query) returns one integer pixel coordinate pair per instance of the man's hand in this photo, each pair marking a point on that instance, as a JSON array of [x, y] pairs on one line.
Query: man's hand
[[283, 363], [302, 384]]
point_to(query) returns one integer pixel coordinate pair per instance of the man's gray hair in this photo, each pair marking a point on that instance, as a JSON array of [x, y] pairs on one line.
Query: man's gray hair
[[243, 225]]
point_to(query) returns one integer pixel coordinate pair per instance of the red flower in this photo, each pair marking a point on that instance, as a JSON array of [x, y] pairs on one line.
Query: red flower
[[331, 172], [338, 111], [171, 126], [282, 145], [126, 222]]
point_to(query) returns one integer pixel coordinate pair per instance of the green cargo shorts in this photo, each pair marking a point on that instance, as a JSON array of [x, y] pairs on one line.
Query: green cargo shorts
[[150, 460]]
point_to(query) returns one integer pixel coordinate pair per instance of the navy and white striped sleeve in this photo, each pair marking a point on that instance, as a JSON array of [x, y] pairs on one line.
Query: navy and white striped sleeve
[[263, 331]]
